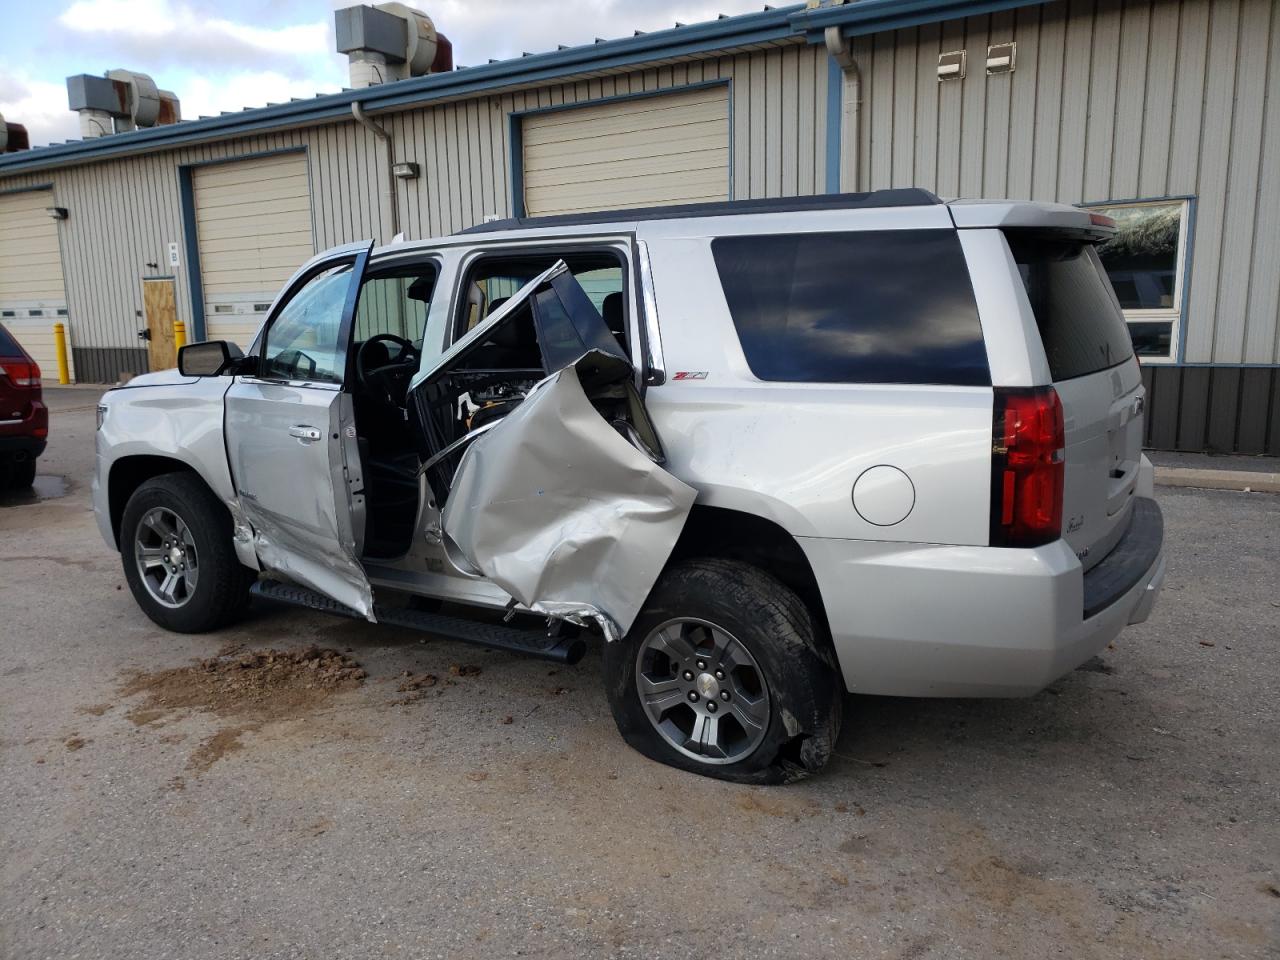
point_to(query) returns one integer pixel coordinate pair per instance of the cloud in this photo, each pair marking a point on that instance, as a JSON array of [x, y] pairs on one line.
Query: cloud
[[499, 29], [209, 96], [225, 55], [38, 105], [161, 33]]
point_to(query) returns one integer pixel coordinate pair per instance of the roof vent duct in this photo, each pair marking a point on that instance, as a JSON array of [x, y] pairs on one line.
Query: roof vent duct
[[120, 101], [390, 42], [13, 137]]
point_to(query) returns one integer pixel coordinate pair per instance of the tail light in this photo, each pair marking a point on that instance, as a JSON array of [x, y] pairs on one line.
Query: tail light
[[22, 373], [1027, 466]]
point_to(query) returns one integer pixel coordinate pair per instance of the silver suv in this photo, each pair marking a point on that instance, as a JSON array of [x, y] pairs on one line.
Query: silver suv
[[768, 451]]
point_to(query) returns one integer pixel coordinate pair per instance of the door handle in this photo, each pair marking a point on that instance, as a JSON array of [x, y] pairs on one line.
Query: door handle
[[304, 433]]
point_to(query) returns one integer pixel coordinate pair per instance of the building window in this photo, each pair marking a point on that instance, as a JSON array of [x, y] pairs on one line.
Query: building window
[[1146, 261]]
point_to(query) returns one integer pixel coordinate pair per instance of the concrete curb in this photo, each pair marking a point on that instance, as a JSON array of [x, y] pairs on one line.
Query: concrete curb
[[1218, 479]]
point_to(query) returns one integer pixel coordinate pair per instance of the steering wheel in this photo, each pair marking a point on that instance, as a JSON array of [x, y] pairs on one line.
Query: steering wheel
[[387, 381]]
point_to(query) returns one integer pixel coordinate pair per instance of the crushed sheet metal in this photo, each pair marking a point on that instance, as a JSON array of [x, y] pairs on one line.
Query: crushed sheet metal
[[557, 509]]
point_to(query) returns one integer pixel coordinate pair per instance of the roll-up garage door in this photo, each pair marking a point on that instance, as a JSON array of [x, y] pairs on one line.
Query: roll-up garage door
[[253, 226], [32, 296], [661, 149]]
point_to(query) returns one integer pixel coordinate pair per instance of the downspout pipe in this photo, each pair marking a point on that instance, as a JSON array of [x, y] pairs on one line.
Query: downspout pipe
[[841, 53], [362, 118]]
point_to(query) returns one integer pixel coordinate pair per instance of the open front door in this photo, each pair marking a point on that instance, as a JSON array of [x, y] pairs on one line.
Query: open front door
[[291, 436], [557, 493]]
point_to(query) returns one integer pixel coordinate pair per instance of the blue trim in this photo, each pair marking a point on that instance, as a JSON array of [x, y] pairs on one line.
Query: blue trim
[[195, 286], [516, 128], [255, 155], [876, 16], [1183, 319], [835, 114], [31, 189], [712, 37], [516, 138]]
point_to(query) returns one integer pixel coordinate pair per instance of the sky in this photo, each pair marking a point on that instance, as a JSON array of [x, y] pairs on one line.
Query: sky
[[231, 54]]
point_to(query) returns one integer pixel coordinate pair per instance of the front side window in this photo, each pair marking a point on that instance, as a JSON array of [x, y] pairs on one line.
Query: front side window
[[876, 306], [1146, 263], [304, 340]]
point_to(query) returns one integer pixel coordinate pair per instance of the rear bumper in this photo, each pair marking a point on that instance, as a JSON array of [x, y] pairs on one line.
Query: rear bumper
[[939, 621]]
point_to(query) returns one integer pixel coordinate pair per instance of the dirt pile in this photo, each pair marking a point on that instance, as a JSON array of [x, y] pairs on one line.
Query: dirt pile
[[252, 687]]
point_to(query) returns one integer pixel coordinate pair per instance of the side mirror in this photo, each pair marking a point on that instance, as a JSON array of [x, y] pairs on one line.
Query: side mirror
[[209, 358]]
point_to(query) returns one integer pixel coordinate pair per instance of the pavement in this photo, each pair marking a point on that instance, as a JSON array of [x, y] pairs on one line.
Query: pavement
[[1218, 472], [1130, 810]]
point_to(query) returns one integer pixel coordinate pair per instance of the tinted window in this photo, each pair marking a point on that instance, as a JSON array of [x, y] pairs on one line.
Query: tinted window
[[1080, 321], [8, 346], [888, 306]]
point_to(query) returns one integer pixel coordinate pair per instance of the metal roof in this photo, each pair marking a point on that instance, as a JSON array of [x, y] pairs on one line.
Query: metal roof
[[769, 26]]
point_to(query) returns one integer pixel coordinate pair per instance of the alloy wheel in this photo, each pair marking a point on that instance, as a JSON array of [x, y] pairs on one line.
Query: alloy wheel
[[702, 690], [165, 552]]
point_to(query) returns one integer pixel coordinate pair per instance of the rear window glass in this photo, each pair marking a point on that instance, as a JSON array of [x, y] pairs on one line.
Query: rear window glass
[[884, 306], [1076, 309], [8, 346]]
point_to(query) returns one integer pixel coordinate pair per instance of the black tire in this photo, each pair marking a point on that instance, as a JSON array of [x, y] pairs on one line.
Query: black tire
[[804, 686], [20, 475], [221, 592]]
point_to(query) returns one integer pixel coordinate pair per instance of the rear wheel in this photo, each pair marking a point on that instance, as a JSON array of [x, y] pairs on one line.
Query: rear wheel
[[722, 674], [178, 558], [20, 475]]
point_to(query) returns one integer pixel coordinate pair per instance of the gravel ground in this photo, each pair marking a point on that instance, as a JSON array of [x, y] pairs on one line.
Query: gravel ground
[[1132, 810]]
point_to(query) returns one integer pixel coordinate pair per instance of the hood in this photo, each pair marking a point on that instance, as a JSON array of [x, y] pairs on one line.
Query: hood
[[161, 378]]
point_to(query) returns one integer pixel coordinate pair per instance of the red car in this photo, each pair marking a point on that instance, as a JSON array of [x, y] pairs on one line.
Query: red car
[[24, 419]]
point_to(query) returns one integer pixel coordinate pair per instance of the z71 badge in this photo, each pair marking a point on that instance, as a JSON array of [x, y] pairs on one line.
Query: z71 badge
[[690, 375]]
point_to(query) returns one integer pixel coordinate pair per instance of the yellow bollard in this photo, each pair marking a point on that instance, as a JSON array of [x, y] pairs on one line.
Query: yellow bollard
[[60, 346], [179, 334]]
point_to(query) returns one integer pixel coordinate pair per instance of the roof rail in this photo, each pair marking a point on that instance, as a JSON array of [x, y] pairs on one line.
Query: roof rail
[[901, 197]]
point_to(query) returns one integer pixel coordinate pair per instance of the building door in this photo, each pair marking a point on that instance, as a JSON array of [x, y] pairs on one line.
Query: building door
[[32, 297], [642, 152], [160, 310], [253, 228]]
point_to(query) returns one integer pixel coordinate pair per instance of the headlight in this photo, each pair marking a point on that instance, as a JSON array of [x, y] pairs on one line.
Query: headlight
[[102, 414]]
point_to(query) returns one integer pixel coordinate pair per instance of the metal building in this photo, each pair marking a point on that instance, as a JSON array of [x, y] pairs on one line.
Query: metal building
[[1166, 112]]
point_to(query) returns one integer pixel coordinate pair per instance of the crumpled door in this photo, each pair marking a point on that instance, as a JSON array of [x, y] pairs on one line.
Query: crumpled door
[[564, 503], [565, 514]]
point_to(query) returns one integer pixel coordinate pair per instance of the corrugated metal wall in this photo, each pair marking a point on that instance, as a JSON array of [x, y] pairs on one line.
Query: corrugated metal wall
[[123, 214], [1110, 100]]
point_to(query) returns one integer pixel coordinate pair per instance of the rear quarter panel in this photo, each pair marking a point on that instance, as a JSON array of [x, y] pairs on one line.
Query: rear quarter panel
[[792, 452]]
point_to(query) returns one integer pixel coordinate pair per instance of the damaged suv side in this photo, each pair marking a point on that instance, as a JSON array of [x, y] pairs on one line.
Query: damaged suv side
[[734, 442]]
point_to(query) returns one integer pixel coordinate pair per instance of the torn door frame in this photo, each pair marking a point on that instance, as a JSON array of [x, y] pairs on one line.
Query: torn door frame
[[489, 527]]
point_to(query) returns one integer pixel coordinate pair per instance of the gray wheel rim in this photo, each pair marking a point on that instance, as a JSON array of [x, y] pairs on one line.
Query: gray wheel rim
[[703, 691], [166, 556]]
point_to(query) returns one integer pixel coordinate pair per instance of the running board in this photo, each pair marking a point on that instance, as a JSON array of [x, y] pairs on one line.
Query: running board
[[534, 643]]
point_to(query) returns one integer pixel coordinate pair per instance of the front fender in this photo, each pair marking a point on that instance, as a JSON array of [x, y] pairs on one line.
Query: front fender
[[178, 421]]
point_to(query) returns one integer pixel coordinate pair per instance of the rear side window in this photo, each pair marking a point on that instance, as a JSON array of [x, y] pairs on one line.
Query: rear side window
[[8, 346], [883, 306], [1080, 320]]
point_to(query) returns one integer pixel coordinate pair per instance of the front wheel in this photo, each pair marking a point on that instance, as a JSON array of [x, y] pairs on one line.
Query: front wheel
[[723, 674], [176, 549]]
